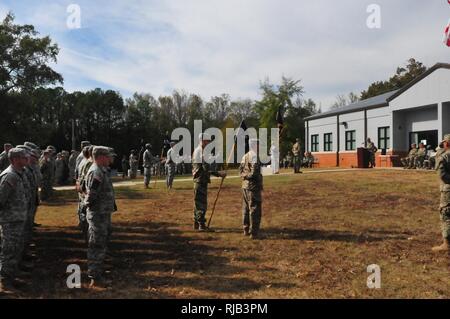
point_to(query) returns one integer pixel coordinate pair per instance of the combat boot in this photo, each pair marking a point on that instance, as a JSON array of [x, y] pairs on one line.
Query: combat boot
[[254, 235], [203, 228], [7, 288], [196, 225], [99, 283], [246, 231], [444, 247]]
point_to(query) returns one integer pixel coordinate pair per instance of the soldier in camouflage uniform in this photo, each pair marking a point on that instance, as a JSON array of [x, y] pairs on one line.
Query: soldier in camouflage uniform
[[13, 211], [372, 152], [443, 168], [252, 186], [170, 167], [148, 161], [134, 162], [46, 169], [296, 151], [80, 156], [83, 169], [4, 161], [31, 188], [420, 156], [100, 203], [201, 172], [408, 161], [72, 166]]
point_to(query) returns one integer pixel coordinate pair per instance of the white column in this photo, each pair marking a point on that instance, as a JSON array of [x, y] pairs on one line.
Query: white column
[[440, 121]]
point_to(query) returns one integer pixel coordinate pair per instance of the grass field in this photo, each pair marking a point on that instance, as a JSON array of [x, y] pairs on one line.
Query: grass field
[[320, 232]]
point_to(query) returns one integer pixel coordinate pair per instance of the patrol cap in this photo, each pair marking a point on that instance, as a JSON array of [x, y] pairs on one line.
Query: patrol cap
[[27, 149], [102, 151], [85, 143], [17, 153], [446, 138], [172, 143], [148, 145], [7, 145], [204, 137], [31, 145], [112, 153]]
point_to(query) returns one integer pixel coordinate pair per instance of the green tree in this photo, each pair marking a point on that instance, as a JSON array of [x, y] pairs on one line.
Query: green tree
[[402, 76], [24, 58]]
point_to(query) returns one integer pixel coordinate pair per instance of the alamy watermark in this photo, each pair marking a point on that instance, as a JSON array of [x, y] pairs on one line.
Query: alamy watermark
[[74, 19], [374, 19], [221, 149], [374, 280]]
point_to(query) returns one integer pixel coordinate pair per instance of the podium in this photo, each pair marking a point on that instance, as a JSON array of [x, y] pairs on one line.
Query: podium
[[363, 157]]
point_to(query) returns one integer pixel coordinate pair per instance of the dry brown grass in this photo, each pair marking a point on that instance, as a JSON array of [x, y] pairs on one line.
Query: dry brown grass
[[321, 231]]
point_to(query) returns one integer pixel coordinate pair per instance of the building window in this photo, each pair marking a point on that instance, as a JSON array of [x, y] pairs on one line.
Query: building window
[[314, 143], [328, 142], [350, 140], [384, 139]]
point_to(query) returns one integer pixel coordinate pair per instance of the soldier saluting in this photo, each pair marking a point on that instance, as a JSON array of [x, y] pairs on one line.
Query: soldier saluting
[[201, 172], [443, 168], [100, 203]]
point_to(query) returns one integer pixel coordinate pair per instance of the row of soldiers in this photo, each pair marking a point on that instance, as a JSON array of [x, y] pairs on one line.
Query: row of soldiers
[[19, 200], [422, 157]]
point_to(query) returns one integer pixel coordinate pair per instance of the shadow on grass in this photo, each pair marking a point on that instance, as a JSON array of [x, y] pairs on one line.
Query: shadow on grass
[[332, 235], [145, 261]]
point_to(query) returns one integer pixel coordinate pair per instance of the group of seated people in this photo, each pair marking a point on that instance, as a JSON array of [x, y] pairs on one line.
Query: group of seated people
[[420, 158], [307, 160]]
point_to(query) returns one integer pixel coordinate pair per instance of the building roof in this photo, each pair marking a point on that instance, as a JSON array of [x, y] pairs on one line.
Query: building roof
[[373, 102], [379, 100]]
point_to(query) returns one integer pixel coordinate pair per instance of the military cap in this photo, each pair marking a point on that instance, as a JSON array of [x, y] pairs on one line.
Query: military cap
[[446, 138], [7, 145], [112, 153], [148, 145], [172, 143], [85, 143], [102, 151], [25, 148], [17, 153], [31, 145]]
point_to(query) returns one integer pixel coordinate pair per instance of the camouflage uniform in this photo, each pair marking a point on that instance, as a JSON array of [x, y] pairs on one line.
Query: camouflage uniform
[[100, 202], [13, 211], [170, 169], [84, 168], [408, 161], [201, 172], [4, 161], [148, 160], [72, 166], [46, 168], [420, 157], [134, 161], [252, 186], [372, 152], [296, 150], [444, 175]]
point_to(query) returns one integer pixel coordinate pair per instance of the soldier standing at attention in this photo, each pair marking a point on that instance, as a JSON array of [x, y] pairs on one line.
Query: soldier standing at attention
[[134, 162], [443, 168], [100, 203], [201, 172], [47, 175], [372, 152], [80, 156], [252, 186], [148, 160], [4, 161], [170, 167], [13, 211], [296, 151], [124, 167], [72, 166], [84, 167]]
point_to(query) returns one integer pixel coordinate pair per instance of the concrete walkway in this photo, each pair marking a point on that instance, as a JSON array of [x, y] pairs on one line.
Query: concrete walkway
[[137, 182]]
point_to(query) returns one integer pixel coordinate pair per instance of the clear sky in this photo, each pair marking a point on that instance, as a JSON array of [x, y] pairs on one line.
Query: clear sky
[[210, 47]]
